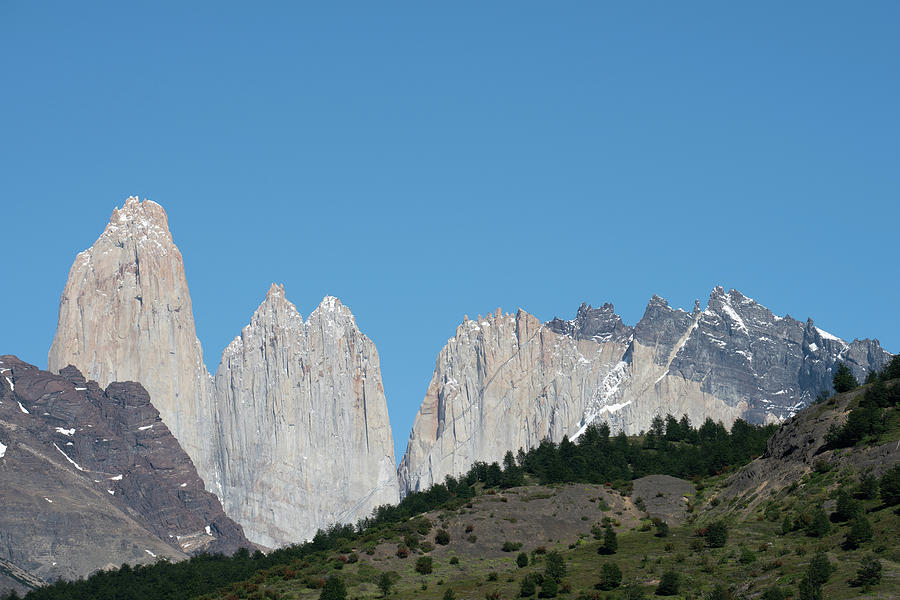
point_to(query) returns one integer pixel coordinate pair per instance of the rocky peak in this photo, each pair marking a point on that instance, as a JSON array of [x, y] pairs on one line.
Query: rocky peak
[[601, 324], [303, 405], [83, 460]]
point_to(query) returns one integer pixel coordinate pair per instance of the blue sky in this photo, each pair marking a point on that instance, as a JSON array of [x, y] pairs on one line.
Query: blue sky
[[426, 162]]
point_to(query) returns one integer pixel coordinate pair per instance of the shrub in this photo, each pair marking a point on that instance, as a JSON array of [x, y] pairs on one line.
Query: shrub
[[511, 546], [522, 560], [402, 551], [442, 537], [772, 593], [472, 538], [353, 557], [426, 547], [424, 565], [333, 589], [454, 560], [771, 513], [668, 584], [610, 576], [747, 556], [662, 529], [449, 595], [549, 588], [717, 534]]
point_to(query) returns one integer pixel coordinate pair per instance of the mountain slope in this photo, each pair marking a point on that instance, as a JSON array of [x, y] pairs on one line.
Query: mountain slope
[[93, 478], [508, 381], [291, 435]]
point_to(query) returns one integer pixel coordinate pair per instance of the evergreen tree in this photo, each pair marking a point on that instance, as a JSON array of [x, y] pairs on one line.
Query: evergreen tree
[[610, 543], [527, 588], [869, 573], [610, 576], [890, 486], [772, 592], [808, 590], [555, 566], [843, 380], [334, 589], [859, 533], [892, 370], [819, 526], [522, 560], [668, 584], [819, 569], [846, 507], [449, 595], [549, 588], [868, 486], [717, 534], [787, 525], [385, 583]]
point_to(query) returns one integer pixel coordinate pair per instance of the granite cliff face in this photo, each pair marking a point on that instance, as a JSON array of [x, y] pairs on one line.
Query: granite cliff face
[[125, 315], [507, 382], [293, 433], [93, 478], [303, 419]]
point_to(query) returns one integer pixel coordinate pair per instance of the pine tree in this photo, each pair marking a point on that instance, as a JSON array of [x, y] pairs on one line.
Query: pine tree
[[843, 380], [610, 543], [334, 589], [869, 573], [820, 525], [859, 533], [668, 584], [819, 569], [890, 486], [610, 576]]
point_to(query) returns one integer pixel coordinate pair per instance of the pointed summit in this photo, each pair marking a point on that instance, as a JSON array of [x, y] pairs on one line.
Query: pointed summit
[[125, 315]]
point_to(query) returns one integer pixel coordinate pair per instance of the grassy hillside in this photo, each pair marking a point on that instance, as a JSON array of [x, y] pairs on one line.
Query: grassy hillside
[[799, 521]]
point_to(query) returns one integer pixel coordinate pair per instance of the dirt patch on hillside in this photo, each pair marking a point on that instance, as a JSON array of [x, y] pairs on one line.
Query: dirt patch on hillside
[[532, 516], [664, 497]]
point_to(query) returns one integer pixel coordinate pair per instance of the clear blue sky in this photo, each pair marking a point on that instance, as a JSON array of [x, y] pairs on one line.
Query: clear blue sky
[[425, 162]]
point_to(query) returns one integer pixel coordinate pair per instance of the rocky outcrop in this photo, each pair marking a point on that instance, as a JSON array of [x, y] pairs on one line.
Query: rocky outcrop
[[125, 315], [93, 478], [506, 382], [303, 422], [293, 433]]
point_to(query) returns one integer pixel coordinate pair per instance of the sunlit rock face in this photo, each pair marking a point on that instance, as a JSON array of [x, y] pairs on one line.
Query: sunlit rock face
[[293, 432], [303, 418], [125, 315], [507, 381]]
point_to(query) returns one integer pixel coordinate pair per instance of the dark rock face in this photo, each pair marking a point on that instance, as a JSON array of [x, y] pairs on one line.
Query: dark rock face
[[736, 350], [598, 324], [93, 478]]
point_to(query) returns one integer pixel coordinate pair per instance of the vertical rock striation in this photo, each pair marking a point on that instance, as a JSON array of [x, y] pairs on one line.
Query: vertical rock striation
[[303, 420], [293, 433], [507, 382], [125, 315]]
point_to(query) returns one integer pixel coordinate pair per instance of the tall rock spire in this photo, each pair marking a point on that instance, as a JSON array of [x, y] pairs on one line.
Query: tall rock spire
[[303, 406], [292, 435], [125, 315]]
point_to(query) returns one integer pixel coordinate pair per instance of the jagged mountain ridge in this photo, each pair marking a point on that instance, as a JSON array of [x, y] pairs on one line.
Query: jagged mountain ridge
[[495, 390], [93, 478], [126, 313]]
